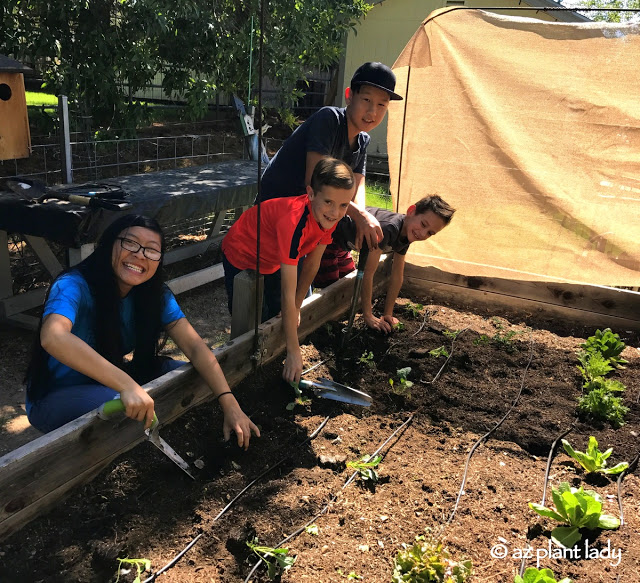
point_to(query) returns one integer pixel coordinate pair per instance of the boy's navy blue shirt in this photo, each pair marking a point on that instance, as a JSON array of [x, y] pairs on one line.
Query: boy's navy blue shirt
[[391, 224], [324, 132]]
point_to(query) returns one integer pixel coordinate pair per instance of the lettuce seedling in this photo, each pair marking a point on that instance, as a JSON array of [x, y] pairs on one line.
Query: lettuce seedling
[[141, 566], [405, 385], [594, 365], [440, 351], [579, 509], [606, 343], [276, 560], [533, 575], [427, 561], [367, 358], [366, 467], [413, 310], [593, 460], [600, 403]]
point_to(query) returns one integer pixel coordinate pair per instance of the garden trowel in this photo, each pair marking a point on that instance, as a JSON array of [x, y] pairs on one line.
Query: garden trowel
[[328, 389], [114, 406]]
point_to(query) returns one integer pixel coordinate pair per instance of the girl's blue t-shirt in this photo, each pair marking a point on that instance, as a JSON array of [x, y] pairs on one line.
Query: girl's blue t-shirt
[[71, 297]]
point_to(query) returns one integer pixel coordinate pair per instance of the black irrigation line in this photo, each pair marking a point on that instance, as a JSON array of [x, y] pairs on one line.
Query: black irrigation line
[[483, 439], [179, 556], [550, 458], [632, 468], [332, 498]]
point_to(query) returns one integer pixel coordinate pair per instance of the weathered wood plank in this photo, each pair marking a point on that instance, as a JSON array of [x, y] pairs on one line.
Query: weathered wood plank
[[618, 309], [196, 278], [22, 302], [41, 248], [37, 475]]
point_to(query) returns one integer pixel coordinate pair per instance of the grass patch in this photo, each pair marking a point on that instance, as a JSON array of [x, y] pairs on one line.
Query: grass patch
[[377, 194], [34, 98]]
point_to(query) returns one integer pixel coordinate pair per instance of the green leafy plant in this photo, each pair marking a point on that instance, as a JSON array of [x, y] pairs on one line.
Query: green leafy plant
[[505, 340], [533, 575], [482, 339], [606, 343], [577, 508], [404, 385], [413, 310], [602, 405], [367, 359], [593, 460], [141, 566], [428, 561], [398, 326], [451, 335], [594, 365], [440, 351], [299, 400], [276, 560], [366, 467]]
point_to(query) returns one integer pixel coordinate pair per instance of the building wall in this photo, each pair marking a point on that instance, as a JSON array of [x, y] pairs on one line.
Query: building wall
[[388, 27]]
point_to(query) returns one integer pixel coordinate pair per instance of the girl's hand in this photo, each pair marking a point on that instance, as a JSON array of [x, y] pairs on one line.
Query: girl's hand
[[138, 404], [390, 320], [292, 367], [237, 421]]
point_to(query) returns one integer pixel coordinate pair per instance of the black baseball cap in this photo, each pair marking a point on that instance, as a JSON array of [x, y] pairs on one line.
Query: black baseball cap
[[377, 75]]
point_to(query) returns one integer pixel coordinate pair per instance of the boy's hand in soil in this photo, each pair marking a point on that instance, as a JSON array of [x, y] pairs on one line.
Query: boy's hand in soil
[[384, 324], [236, 420]]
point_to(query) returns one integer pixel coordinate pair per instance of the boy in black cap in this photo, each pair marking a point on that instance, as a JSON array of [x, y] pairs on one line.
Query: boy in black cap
[[339, 133]]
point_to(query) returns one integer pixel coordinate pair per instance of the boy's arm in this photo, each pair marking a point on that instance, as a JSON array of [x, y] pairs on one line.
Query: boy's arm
[[366, 296], [368, 227], [293, 362], [309, 269], [395, 283]]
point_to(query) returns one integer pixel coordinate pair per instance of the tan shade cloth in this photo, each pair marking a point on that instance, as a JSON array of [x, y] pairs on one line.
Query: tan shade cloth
[[531, 130]]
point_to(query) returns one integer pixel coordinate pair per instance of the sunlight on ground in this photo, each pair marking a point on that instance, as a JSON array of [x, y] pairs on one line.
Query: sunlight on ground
[[17, 424]]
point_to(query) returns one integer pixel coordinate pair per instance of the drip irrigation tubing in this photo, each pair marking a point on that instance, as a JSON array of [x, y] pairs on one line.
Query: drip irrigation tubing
[[332, 498], [550, 459], [632, 468], [481, 440], [181, 554]]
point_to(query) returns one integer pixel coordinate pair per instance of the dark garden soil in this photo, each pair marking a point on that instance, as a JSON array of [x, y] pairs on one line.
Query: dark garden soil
[[142, 506]]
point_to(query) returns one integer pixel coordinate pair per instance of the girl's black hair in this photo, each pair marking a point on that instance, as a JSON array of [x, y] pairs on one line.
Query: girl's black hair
[[148, 303]]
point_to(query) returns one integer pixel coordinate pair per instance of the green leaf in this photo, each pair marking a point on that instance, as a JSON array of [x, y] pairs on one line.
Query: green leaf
[[543, 511], [608, 522], [566, 536], [618, 468]]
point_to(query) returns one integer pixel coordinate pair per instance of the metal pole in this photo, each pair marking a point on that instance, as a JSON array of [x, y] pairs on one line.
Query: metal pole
[[65, 141]]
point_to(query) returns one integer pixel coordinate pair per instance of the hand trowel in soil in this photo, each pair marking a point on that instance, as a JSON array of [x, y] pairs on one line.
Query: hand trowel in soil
[[114, 406], [328, 389]]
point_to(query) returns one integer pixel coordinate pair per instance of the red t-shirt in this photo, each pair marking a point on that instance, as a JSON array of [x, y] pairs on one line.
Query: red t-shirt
[[288, 231]]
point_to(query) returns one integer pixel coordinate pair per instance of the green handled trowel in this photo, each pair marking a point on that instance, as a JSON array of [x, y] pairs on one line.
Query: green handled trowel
[[114, 406]]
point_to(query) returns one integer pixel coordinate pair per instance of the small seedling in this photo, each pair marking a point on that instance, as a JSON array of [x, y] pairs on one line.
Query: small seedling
[[398, 326], [577, 508], [482, 339], [451, 335], [276, 559], [594, 365], [593, 460], [505, 341], [367, 359], [600, 404], [440, 351], [427, 561], [533, 575], [312, 529], [413, 310], [366, 467], [352, 576], [299, 400], [141, 566], [606, 343], [404, 385]]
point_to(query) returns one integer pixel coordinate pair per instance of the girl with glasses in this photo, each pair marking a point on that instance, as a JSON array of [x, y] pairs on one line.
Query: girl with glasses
[[109, 305]]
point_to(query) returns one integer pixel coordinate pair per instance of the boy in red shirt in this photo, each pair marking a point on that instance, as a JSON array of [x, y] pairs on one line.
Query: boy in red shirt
[[290, 228]]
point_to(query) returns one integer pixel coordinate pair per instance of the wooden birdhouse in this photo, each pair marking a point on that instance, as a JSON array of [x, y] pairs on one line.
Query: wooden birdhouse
[[15, 140]]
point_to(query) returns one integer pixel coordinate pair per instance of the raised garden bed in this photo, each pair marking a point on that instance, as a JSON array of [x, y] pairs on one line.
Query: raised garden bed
[[144, 507]]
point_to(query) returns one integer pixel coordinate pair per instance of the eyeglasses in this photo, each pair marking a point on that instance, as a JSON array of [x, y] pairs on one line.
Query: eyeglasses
[[134, 247]]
